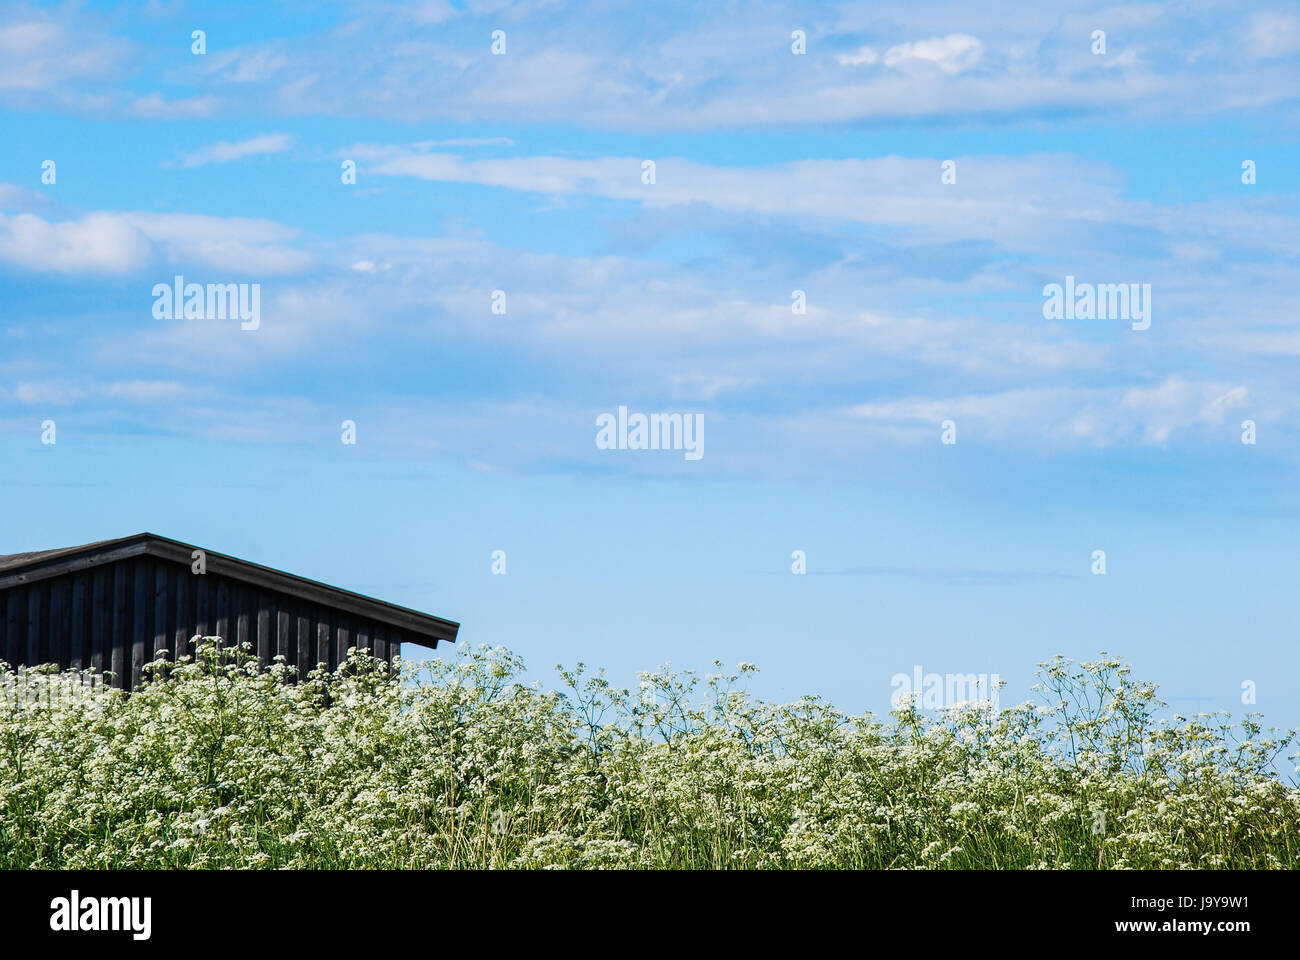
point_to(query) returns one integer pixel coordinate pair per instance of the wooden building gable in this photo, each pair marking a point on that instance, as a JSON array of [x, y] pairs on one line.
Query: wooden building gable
[[110, 606]]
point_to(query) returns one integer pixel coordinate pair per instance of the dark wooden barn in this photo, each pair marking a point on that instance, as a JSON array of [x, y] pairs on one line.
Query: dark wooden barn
[[109, 606]]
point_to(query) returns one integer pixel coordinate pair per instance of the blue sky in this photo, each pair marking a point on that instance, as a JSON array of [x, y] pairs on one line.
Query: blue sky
[[775, 172]]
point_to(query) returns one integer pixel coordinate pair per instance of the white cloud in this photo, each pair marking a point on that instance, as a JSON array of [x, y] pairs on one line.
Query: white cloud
[[156, 107], [245, 66], [1100, 416], [1035, 203], [680, 72], [703, 386], [40, 55], [465, 142], [431, 11], [117, 243], [226, 152], [693, 69], [22, 200], [47, 394], [99, 243], [1272, 34], [951, 54], [147, 391], [1025, 197], [235, 244], [1177, 402], [863, 55]]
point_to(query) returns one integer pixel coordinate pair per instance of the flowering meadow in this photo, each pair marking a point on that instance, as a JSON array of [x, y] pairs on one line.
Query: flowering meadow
[[219, 763]]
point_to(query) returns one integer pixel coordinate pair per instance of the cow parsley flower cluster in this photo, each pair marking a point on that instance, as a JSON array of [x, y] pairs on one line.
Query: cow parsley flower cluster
[[218, 763]]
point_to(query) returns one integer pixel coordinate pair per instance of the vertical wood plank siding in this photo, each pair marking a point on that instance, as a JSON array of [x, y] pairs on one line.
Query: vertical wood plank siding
[[81, 621], [115, 616]]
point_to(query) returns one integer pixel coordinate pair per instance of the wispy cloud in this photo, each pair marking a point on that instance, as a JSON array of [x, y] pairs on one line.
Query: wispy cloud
[[155, 106], [227, 152], [430, 62], [465, 142], [44, 54], [859, 57], [106, 242], [1097, 416]]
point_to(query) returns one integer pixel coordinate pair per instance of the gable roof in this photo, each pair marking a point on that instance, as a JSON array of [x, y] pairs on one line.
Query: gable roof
[[23, 568]]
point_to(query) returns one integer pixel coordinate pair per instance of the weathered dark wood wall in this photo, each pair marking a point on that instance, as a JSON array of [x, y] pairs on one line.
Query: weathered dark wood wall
[[116, 615]]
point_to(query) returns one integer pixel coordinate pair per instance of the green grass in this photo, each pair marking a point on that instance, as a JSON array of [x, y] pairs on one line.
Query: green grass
[[217, 764]]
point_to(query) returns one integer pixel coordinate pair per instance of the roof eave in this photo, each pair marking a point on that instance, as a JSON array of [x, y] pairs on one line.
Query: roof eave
[[420, 628]]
